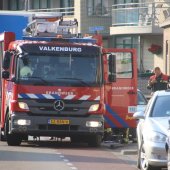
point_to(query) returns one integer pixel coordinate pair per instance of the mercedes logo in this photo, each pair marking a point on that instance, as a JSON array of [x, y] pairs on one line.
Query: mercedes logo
[[59, 105]]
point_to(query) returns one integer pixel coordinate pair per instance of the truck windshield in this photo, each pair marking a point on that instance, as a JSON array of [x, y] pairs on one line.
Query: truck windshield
[[60, 69]]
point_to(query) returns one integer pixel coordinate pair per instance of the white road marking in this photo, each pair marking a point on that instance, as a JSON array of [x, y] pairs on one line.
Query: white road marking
[[69, 164], [61, 156]]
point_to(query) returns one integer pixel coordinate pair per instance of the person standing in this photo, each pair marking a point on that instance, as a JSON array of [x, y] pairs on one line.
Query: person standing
[[158, 81]]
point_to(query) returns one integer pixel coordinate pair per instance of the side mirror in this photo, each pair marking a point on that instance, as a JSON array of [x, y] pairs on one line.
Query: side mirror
[[5, 74], [6, 60], [112, 68], [139, 115]]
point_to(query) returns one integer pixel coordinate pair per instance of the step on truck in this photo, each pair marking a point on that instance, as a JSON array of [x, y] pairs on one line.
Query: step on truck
[[56, 82]]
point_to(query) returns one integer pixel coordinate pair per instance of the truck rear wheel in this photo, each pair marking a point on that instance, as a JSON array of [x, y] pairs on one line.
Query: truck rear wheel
[[95, 141], [12, 139]]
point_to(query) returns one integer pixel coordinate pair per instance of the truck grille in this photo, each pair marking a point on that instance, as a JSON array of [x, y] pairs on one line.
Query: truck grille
[[71, 107]]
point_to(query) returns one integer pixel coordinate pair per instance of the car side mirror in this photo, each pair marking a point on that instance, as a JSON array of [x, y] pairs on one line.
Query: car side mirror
[[139, 115], [5, 74], [6, 60], [112, 68]]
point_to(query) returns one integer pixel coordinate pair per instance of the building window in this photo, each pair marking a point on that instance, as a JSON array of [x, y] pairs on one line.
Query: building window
[[16, 5], [125, 12], [28, 4], [40, 4], [125, 1], [126, 41], [66, 3], [98, 7], [67, 7]]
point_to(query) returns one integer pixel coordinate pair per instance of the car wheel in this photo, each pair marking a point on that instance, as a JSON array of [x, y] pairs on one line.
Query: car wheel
[[142, 160], [12, 139]]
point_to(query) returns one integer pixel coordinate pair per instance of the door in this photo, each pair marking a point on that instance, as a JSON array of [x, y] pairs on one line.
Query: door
[[1, 56], [121, 96], [5, 39]]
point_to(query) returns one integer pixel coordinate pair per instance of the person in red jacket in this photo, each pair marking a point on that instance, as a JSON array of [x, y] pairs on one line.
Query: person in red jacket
[[158, 81]]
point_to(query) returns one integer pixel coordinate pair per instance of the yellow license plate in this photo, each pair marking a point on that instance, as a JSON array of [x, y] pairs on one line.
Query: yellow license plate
[[58, 122]]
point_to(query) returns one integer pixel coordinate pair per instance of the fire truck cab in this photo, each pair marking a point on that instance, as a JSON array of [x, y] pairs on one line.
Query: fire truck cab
[[57, 83]]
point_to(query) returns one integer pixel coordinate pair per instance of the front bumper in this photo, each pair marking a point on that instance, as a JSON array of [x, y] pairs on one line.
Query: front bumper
[[40, 125], [156, 153]]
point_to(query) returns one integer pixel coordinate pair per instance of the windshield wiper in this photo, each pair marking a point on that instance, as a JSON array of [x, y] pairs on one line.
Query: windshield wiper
[[39, 78], [76, 79]]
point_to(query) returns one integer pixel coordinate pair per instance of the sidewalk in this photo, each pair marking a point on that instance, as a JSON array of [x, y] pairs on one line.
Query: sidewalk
[[125, 152]]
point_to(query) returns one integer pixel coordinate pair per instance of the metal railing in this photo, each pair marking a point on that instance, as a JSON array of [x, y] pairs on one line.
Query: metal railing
[[140, 14], [105, 11], [64, 11]]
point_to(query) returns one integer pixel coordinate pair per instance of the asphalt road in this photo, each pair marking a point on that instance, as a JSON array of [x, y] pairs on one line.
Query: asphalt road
[[53, 155]]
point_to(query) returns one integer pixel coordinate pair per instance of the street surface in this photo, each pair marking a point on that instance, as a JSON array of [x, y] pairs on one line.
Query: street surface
[[53, 155]]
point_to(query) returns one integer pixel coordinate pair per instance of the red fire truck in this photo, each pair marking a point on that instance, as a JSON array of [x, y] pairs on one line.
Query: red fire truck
[[57, 83]]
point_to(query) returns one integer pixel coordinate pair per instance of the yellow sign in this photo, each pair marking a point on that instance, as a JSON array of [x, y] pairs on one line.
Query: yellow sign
[[58, 122], [129, 117]]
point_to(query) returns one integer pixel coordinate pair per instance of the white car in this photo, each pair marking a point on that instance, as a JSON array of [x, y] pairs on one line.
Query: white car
[[167, 146], [152, 132]]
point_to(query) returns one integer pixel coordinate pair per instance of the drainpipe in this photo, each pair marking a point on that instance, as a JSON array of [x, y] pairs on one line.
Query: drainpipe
[[166, 57], [140, 53]]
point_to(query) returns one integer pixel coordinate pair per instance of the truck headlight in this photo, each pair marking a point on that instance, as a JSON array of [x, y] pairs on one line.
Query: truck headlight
[[94, 108], [93, 124], [22, 122], [156, 137], [23, 105]]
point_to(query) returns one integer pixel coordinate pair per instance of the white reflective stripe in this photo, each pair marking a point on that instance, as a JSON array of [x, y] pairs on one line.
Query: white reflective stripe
[[32, 96], [19, 96], [97, 98], [69, 97], [48, 96], [2, 37], [85, 97]]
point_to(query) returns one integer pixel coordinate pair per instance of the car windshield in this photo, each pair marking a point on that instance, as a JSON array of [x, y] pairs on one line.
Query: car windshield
[[60, 69], [141, 99], [161, 107]]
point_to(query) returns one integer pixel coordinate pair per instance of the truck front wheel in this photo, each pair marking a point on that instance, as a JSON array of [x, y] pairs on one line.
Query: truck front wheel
[[95, 140], [12, 139]]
